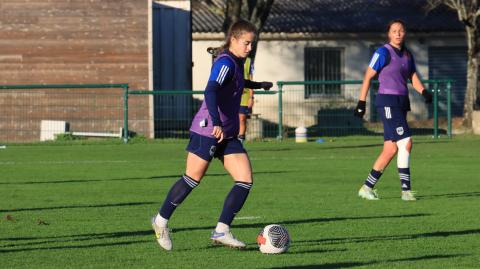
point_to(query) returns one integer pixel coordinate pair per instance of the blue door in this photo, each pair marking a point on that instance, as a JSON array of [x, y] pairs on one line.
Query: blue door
[[172, 70]]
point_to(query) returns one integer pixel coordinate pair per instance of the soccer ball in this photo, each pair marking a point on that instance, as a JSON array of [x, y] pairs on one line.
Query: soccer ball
[[273, 239]]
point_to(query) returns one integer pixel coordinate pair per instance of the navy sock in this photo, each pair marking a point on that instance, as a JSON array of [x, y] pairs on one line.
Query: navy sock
[[373, 178], [234, 201], [176, 195], [404, 174]]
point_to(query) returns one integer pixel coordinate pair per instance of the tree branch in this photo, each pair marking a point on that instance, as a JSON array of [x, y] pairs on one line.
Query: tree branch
[[233, 9]]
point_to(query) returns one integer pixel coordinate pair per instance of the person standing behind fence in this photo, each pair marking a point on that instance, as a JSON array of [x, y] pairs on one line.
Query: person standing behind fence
[[395, 65], [246, 103], [213, 133]]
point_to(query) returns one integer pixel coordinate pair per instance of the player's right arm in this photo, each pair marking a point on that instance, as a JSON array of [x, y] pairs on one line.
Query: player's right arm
[[369, 75], [377, 62]]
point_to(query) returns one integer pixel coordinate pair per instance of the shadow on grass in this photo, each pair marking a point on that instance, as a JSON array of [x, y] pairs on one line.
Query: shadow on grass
[[253, 247], [355, 264], [129, 178], [450, 195], [344, 240], [304, 221], [132, 234], [76, 206], [322, 250], [124, 243], [338, 240], [73, 238], [149, 231], [79, 237], [326, 265], [85, 180]]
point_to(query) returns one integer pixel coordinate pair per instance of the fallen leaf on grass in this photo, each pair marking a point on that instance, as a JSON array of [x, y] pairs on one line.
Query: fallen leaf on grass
[[41, 222]]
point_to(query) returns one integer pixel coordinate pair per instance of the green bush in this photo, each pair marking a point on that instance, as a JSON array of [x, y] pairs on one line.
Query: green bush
[[66, 137], [137, 138]]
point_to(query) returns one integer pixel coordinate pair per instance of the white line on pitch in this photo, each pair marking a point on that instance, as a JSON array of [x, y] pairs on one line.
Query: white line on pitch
[[248, 217]]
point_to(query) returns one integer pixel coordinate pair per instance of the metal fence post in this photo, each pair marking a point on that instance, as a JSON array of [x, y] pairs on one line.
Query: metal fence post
[[435, 110], [449, 109], [125, 113], [280, 112]]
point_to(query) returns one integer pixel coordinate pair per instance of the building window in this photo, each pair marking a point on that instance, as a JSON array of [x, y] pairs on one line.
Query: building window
[[323, 64]]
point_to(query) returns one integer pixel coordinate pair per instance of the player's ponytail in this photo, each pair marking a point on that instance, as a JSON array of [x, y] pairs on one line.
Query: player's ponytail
[[236, 30]]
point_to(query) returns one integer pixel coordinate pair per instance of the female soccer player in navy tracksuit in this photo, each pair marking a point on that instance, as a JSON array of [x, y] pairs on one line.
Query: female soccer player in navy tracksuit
[[394, 65], [213, 133]]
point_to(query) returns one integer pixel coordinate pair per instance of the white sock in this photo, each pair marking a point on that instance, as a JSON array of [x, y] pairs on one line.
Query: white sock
[[222, 228], [161, 221]]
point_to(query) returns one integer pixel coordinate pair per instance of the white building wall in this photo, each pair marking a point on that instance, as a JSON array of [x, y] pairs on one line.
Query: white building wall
[[283, 60]]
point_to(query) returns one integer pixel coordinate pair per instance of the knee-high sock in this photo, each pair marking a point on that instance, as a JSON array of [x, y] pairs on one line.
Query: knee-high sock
[[178, 192], [234, 201], [372, 178]]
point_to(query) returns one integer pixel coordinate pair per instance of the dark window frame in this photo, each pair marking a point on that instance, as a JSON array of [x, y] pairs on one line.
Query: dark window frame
[[317, 67]]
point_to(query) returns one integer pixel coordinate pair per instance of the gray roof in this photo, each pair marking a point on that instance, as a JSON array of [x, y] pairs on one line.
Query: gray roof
[[336, 16]]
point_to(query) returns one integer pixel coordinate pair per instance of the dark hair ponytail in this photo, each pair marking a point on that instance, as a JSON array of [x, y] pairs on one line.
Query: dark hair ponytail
[[236, 30]]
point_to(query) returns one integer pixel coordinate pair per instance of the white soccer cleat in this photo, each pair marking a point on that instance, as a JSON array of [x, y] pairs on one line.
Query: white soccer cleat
[[226, 239], [368, 193], [163, 235], [408, 196]]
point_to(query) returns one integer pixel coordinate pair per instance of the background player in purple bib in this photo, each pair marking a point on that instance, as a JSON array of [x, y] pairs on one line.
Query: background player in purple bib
[[395, 65], [213, 133]]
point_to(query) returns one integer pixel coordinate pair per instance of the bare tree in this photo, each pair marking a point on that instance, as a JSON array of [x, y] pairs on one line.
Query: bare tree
[[255, 11], [468, 13]]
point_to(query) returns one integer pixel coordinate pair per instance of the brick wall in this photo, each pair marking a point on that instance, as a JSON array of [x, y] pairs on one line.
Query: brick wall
[[71, 42]]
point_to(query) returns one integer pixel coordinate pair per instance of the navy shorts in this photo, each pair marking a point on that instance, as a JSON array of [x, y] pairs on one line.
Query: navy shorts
[[208, 148], [245, 110], [395, 125]]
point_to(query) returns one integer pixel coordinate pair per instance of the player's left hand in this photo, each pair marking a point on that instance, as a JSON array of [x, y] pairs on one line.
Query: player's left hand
[[427, 96], [266, 85], [218, 133]]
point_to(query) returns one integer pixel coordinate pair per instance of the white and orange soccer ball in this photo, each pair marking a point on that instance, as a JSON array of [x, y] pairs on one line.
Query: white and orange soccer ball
[[273, 239]]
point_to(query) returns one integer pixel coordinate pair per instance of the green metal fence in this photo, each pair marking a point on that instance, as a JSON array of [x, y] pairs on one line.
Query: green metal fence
[[39, 112], [171, 113], [325, 108]]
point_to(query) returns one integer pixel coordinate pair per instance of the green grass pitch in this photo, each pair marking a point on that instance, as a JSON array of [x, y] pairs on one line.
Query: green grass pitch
[[89, 205]]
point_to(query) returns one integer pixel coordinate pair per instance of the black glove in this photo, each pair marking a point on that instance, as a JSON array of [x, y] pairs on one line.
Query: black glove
[[213, 51], [360, 109], [427, 96], [266, 85]]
